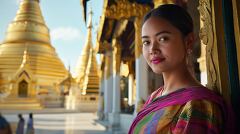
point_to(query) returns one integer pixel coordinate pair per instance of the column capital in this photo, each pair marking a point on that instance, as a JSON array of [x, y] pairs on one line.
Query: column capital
[[116, 55]]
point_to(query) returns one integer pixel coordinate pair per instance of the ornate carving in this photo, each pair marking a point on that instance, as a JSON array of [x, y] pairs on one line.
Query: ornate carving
[[123, 9], [207, 38], [138, 40], [236, 17], [160, 2]]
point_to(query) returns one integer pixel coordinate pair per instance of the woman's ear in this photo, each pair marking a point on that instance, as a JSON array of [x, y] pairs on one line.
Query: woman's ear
[[189, 41]]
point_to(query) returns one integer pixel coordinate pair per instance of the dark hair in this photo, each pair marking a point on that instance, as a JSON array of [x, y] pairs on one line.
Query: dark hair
[[174, 14], [30, 115]]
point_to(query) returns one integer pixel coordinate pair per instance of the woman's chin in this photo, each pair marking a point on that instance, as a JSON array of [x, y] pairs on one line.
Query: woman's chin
[[157, 71]]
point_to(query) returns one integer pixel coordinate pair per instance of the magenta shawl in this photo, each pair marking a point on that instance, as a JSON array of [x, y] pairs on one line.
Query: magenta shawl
[[183, 96]]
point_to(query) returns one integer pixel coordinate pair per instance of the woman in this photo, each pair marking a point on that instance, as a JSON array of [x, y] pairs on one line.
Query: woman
[[30, 128], [182, 105], [20, 126]]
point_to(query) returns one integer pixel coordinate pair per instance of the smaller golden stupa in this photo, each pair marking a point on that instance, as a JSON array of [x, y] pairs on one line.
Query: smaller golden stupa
[[87, 73]]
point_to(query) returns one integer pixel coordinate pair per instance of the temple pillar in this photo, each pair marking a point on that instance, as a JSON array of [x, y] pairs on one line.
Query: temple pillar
[[108, 85], [130, 89], [114, 117], [141, 68], [116, 76], [101, 91]]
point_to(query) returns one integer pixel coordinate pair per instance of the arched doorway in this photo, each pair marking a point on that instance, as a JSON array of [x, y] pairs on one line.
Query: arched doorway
[[22, 89]]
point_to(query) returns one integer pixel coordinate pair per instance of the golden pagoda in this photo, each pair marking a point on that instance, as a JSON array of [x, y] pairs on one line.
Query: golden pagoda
[[87, 73], [87, 65], [69, 91], [91, 79], [29, 65]]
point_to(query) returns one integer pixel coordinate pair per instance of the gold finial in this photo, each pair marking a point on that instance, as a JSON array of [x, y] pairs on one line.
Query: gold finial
[[29, 0], [90, 18]]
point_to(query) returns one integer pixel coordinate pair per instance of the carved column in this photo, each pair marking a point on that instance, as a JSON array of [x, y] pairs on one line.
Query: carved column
[[138, 39], [236, 17], [212, 37]]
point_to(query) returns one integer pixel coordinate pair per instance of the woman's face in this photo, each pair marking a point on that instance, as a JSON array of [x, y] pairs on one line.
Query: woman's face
[[164, 47]]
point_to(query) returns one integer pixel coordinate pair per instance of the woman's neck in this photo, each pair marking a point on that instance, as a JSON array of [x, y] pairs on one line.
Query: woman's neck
[[177, 79]]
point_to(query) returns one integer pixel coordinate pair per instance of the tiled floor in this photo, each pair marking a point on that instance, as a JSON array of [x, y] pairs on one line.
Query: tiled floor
[[62, 123]]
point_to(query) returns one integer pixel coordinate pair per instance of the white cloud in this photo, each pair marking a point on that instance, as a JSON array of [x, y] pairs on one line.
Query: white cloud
[[65, 33]]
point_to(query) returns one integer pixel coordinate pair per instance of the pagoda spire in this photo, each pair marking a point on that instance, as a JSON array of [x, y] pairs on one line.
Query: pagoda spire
[[84, 58], [89, 28], [28, 24]]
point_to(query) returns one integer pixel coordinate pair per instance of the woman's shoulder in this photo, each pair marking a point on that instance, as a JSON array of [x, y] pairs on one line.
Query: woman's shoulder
[[204, 110], [202, 104]]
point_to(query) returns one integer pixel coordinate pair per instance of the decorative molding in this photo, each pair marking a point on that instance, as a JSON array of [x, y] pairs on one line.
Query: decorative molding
[[207, 38], [161, 2], [123, 9], [138, 40]]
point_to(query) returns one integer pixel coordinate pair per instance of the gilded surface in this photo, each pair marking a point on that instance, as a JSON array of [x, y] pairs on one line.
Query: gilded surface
[[207, 38], [160, 2], [138, 39], [108, 64], [26, 51], [87, 68], [91, 79], [124, 10], [236, 17]]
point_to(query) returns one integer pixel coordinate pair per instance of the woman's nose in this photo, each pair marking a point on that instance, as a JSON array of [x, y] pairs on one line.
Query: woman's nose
[[154, 48]]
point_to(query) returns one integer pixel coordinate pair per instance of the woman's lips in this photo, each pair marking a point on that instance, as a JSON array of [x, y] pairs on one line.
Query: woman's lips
[[157, 60]]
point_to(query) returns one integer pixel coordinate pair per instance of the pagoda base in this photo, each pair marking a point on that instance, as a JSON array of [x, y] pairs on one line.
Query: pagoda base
[[20, 104]]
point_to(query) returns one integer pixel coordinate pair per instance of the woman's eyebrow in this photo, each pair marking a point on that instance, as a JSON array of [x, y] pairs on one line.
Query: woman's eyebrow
[[145, 36], [162, 32]]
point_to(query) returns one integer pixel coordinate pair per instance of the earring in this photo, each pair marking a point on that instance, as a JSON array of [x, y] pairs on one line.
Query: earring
[[188, 58], [189, 51]]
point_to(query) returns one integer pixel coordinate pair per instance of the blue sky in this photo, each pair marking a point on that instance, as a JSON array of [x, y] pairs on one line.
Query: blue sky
[[64, 19]]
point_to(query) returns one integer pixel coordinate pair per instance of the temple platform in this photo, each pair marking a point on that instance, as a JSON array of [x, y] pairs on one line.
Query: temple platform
[[20, 103]]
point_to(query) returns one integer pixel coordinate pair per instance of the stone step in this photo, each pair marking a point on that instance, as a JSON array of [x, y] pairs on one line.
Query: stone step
[[20, 103], [19, 106]]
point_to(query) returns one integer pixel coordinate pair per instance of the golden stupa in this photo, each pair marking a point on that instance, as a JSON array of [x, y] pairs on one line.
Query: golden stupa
[[29, 64], [88, 77], [87, 70]]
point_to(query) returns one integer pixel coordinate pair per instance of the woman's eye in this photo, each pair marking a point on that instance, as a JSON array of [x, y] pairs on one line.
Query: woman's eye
[[146, 43], [161, 39]]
